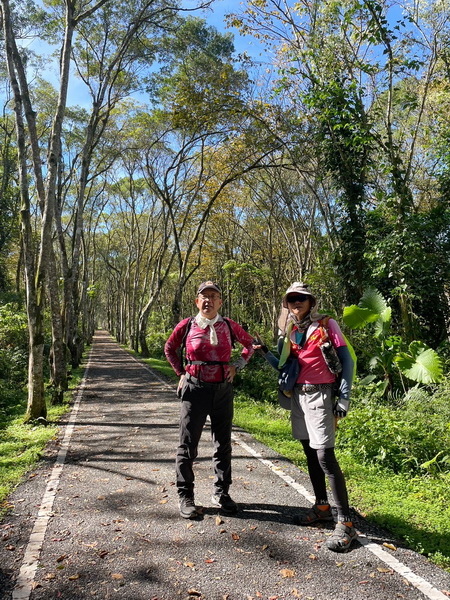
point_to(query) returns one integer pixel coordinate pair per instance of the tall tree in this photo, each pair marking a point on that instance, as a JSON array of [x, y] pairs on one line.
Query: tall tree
[[44, 268], [362, 77]]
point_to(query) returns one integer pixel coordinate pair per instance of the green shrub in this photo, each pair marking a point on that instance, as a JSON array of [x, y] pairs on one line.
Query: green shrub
[[13, 344], [13, 327], [412, 436], [155, 343], [259, 380]]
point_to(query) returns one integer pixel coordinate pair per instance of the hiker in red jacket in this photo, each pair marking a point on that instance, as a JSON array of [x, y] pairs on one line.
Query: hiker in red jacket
[[206, 388], [316, 343]]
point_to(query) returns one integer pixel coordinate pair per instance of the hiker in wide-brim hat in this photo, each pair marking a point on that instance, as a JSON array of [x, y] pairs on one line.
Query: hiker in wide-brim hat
[[313, 346]]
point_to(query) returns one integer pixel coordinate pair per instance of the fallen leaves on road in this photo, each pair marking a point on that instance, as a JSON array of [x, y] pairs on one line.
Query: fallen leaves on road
[[390, 546], [61, 558], [287, 573], [385, 570]]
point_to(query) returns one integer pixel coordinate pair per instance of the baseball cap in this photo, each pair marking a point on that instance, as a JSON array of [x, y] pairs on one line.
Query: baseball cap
[[208, 285]]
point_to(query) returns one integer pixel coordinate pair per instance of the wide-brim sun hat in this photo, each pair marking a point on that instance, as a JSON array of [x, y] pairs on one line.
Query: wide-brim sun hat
[[298, 288]]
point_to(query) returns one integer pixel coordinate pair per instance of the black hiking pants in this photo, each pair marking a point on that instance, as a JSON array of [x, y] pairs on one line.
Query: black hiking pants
[[198, 400]]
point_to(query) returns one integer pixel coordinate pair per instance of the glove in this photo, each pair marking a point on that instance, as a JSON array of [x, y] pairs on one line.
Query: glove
[[340, 408], [259, 345]]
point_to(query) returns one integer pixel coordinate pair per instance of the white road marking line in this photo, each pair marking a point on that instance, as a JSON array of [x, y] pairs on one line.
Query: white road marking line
[[418, 582], [24, 583], [25, 579]]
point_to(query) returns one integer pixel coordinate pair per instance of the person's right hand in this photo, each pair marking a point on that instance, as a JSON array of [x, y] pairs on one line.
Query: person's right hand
[[259, 345], [180, 384]]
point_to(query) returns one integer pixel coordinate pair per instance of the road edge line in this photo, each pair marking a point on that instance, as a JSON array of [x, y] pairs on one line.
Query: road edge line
[[24, 582]]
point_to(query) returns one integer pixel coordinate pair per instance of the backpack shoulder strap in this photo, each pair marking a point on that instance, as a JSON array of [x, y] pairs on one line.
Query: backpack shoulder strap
[[233, 337], [323, 328], [324, 322], [188, 327], [183, 341]]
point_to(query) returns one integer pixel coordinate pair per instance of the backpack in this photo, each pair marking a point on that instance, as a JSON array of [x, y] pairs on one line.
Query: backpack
[[328, 350], [183, 344]]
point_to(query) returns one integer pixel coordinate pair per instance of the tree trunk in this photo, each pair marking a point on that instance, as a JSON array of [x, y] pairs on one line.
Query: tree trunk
[[58, 382], [36, 400]]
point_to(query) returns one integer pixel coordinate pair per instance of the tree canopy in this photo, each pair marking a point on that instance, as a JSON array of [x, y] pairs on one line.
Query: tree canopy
[[188, 161]]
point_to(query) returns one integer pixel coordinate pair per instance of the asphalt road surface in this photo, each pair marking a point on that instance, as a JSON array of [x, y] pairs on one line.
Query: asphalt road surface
[[98, 518]]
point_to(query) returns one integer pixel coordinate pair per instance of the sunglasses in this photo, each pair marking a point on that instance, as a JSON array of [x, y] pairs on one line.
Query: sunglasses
[[298, 298]]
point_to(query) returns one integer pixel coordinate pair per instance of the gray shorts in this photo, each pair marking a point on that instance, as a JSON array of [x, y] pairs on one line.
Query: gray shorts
[[312, 416]]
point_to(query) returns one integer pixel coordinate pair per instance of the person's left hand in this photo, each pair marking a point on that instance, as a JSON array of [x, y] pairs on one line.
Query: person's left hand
[[231, 374], [340, 408]]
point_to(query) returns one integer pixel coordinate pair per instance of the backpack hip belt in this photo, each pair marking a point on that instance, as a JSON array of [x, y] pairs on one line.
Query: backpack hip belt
[[207, 362]]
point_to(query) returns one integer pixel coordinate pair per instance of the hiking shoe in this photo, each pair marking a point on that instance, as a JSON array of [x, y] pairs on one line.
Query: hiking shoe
[[225, 503], [342, 537], [314, 515], [188, 510]]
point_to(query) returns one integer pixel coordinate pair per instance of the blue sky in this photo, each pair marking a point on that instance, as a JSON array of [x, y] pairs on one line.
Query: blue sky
[[214, 16]]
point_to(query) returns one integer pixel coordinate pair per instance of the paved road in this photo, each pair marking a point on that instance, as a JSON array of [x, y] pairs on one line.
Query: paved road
[[98, 519]]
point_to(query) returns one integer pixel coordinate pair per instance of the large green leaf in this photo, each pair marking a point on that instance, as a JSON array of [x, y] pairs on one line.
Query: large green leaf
[[421, 363], [374, 301], [356, 317], [383, 324]]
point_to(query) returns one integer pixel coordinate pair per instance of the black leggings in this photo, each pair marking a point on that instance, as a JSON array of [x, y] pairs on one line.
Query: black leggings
[[323, 462]]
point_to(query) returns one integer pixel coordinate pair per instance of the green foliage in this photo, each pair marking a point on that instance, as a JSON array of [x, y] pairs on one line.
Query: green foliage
[[416, 362], [411, 262], [199, 84], [13, 344], [420, 364], [155, 343], [258, 381], [401, 439]]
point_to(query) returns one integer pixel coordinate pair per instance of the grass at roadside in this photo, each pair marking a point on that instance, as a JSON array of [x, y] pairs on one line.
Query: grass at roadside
[[21, 445], [162, 366], [415, 510], [158, 364]]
